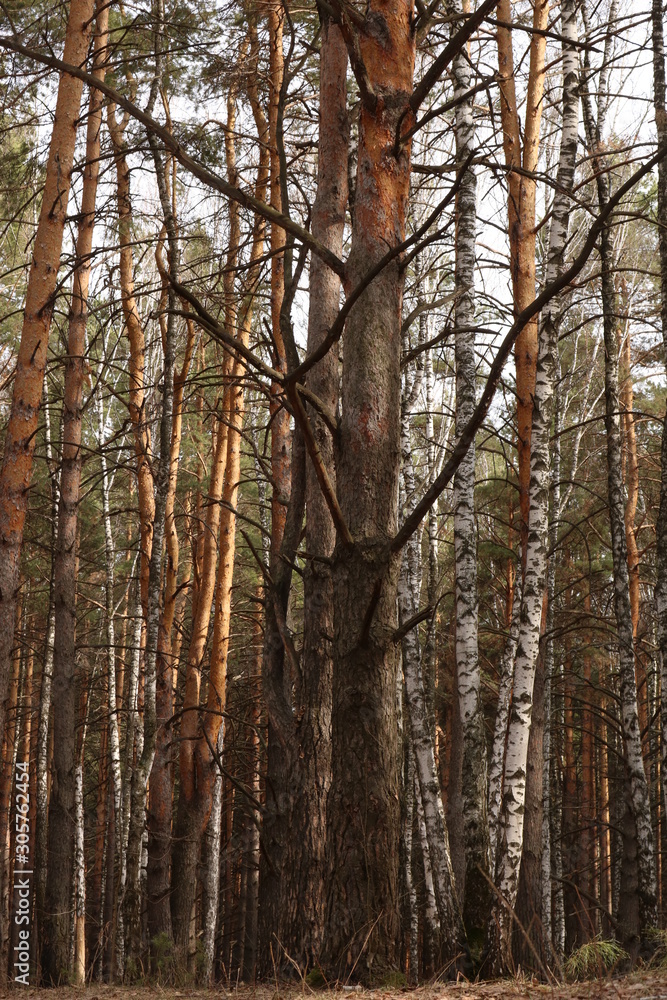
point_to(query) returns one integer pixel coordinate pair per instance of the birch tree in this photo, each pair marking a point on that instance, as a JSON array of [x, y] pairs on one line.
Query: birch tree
[[639, 793], [510, 831]]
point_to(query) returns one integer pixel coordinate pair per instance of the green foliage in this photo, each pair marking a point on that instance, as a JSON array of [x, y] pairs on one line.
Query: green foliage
[[162, 959], [393, 980], [316, 979], [595, 959]]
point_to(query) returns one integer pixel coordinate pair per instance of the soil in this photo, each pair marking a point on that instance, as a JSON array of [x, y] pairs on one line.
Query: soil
[[638, 986]]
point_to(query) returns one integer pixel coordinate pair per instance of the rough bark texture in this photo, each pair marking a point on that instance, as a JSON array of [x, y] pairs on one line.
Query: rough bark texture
[[162, 772], [142, 770], [421, 731], [199, 736], [477, 898], [660, 111], [362, 924], [497, 761], [638, 786], [510, 828], [550, 940], [42, 749], [304, 860], [21, 436], [63, 805], [521, 218]]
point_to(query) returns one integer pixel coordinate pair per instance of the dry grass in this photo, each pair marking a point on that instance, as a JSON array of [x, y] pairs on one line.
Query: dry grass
[[639, 986]]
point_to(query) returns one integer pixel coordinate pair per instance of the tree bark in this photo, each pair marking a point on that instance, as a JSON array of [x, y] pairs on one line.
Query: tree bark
[[511, 823], [638, 786], [62, 811], [477, 897], [43, 726], [521, 219], [162, 773], [301, 909], [21, 436], [660, 111], [362, 921], [114, 696], [421, 732], [196, 792]]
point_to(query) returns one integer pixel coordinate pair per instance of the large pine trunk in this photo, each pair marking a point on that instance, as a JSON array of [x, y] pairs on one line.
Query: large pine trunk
[[362, 923]]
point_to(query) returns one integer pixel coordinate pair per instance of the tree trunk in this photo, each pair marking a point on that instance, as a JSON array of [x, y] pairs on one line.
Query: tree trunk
[[132, 900], [62, 812], [477, 897], [197, 763], [638, 786], [162, 772], [421, 732], [549, 754], [300, 899], [114, 697], [660, 110], [21, 436], [43, 726], [362, 922], [510, 828], [499, 748], [521, 219]]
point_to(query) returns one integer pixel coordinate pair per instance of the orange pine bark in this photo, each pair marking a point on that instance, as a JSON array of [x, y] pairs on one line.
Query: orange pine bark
[[280, 431], [135, 334], [199, 736], [522, 162], [632, 485], [21, 435]]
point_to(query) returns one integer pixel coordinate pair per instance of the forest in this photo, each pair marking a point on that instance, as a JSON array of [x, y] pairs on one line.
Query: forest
[[333, 498]]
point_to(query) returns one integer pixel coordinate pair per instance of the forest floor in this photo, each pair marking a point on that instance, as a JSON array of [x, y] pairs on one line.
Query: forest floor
[[638, 986]]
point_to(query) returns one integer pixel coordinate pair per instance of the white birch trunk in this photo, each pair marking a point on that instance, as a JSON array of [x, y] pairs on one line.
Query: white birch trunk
[[422, 736], [477, 898], [660, 111], [547, 927], [212, 888], [557, 848], [133, 738], [497, 762], [411, 911], [432, 526], [431, 918], [638, 785], [510, 828], [113, 704], [79, 936], [42, 778]]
